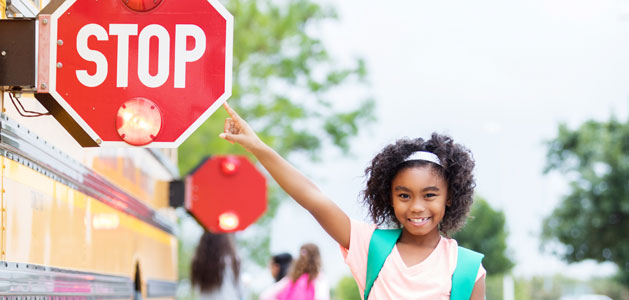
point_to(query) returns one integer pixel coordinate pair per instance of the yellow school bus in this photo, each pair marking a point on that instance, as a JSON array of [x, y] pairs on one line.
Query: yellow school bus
[[79, 223], [82, 222]]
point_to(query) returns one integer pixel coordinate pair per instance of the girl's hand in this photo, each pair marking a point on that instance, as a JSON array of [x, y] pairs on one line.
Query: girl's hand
[[237, 130]]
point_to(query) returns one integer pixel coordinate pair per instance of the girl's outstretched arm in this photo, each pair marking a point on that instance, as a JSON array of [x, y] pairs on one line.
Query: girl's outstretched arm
[[333, 220]]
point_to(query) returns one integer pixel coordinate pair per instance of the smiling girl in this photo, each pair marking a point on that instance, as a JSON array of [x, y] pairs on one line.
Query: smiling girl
[[424, 188]]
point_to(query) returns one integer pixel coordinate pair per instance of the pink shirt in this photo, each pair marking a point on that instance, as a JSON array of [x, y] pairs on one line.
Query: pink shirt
[[321, 289], [429, 279]]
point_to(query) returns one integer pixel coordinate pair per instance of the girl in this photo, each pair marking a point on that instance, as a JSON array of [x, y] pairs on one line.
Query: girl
[[215, 268], [304, 281], [424, 187], [280, 264]]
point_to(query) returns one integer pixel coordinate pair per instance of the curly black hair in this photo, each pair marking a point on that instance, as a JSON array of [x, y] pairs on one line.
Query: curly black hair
[[457, 162]]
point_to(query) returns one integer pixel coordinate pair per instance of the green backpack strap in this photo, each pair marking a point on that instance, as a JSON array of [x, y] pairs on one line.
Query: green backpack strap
[[464, 277], [380, 246]]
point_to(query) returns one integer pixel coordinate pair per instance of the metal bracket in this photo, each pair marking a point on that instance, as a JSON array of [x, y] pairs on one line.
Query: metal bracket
[[18, 53]]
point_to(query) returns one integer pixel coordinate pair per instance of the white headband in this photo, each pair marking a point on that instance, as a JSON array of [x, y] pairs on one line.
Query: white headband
[[424, 155]]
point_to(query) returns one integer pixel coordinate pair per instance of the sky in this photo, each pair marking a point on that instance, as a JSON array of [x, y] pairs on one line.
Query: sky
[[498, 76]]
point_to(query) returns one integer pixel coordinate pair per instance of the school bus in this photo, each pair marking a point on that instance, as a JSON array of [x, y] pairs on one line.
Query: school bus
[[79, 222]]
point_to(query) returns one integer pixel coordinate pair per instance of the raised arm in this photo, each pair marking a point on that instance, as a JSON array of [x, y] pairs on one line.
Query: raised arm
[[333, 220]]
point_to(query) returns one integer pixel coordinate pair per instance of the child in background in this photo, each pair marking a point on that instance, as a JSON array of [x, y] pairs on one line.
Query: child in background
[[215, 268], [280, 263], [304, 281], [423, 187]]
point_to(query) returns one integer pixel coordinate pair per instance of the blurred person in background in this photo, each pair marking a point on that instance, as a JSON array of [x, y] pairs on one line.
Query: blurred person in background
[[304, 281], [280, 264], [215, 268]]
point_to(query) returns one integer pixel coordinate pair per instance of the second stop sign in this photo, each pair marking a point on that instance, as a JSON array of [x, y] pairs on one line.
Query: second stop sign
[[226, 193]]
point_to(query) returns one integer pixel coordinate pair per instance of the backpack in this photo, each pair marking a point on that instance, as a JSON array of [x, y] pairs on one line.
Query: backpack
[[464, 277], [298, 290]]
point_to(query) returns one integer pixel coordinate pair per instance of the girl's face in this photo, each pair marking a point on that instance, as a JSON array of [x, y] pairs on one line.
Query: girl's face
[[419, 197], [275, 269]]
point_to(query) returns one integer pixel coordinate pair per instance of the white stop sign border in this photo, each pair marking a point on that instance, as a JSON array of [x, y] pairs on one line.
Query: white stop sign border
[[229, 39]]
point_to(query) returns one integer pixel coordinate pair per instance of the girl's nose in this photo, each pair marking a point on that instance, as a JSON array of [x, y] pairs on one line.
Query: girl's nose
[[418, 206]]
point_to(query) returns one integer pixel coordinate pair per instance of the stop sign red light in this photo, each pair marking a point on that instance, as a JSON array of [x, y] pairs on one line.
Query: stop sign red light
[[226, 193], [98, 55]]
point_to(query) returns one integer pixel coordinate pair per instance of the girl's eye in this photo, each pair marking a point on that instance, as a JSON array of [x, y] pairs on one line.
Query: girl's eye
[[404, 196], [430, 195]]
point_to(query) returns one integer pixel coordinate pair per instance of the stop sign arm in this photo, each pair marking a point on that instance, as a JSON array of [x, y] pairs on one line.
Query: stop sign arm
[[333, 220]]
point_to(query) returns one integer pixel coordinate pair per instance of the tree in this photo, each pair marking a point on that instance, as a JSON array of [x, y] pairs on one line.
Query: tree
[[592, 220], [284, 83], [485, 232]]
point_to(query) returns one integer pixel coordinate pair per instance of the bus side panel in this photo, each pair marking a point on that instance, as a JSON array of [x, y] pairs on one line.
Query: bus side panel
[[51, 224]]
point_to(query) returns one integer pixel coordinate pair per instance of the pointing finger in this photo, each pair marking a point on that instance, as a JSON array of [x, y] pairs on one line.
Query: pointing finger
[[232, 113]]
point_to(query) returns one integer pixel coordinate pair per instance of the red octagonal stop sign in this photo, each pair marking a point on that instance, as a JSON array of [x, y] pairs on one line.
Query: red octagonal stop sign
[[226, 193], [125, 71]]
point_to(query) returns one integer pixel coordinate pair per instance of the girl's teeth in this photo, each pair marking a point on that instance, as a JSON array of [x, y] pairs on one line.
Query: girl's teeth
[[419, 220]]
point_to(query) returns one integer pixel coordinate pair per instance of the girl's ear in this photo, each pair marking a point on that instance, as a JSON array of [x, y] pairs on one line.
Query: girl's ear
[[449, 203]]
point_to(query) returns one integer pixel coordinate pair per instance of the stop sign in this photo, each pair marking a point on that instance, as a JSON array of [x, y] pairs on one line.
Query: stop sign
[[137, 72], [225, 193]]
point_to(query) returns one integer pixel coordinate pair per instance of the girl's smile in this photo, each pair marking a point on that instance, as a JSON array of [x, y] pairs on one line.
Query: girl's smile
[[420, 221], [419, 196]]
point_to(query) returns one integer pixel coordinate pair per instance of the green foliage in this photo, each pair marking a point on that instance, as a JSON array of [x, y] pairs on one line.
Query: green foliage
[[493, 287], [611, 288], [284, 83], [592, 219], [183, 266], [542, 288], [485, 232], [555, 286], [346, 289], [522, 289]]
